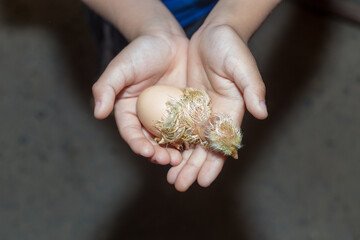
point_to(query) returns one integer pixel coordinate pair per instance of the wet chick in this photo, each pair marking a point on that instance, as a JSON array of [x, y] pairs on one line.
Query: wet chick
[[190, 120]]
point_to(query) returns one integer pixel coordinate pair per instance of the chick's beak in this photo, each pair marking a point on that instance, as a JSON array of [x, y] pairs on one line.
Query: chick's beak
[[234, 154]]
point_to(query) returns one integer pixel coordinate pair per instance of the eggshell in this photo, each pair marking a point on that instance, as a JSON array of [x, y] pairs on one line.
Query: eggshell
[[151, 105]]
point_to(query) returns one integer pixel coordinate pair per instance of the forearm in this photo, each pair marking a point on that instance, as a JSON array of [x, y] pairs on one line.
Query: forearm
[[136, 17], [245, 16]]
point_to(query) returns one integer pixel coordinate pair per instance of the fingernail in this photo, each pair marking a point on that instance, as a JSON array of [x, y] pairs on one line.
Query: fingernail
[[263, 106]]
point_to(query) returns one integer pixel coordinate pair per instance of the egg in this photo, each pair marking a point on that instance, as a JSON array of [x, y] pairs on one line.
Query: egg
[[151, 105]]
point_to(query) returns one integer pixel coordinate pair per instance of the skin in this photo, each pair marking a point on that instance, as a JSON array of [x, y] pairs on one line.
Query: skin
[[215, 59], [157, 54]]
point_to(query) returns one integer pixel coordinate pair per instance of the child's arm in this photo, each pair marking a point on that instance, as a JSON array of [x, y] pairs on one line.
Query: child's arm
[[134, 18], [221, 63], [244, 16], [157, 54]]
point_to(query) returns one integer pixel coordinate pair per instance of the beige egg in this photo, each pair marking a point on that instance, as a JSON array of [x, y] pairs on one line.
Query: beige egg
[[151, 105]]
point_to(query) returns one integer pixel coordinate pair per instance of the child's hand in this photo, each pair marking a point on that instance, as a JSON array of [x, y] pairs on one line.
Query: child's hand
[[220, 63], [147, 60]]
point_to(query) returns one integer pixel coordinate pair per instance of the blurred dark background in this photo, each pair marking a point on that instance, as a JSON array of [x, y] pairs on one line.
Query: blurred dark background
[[65, 175]]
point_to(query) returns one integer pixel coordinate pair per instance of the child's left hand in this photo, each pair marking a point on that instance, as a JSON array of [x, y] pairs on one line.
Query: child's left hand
[[219, 62]]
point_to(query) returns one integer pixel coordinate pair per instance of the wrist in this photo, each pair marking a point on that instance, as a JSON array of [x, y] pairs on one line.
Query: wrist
[[134, 18], [152, 18], [244, 16], [160, 28]]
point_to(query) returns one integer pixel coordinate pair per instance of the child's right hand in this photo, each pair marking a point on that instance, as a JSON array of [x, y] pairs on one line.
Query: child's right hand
[[146, 61]]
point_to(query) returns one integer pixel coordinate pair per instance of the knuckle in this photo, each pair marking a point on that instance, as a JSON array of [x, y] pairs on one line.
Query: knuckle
[[230, 63], [96, 87], [193, 165]]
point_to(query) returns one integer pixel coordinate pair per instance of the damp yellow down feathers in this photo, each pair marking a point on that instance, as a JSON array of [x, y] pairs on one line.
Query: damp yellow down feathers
[[190, 120]]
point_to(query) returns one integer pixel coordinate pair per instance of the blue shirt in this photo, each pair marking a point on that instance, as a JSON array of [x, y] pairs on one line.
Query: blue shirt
[[188, 11]]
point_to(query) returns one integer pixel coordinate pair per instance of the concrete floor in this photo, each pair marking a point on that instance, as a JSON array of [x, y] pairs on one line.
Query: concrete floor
[[65, 175]]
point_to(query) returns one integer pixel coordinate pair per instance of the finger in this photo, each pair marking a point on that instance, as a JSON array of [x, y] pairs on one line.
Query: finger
[[110, 83], [211, 169], [189, 172], [246, 75], [175, 155], [161, 155], [131, 130], [174, 171]]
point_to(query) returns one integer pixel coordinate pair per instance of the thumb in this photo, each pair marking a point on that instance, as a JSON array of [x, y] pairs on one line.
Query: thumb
[[120, 73], [110, 83], [142, 59], [254, 95], [245, 73]]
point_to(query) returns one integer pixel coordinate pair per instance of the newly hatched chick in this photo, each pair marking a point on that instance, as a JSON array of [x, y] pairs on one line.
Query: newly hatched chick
[[189, 120]]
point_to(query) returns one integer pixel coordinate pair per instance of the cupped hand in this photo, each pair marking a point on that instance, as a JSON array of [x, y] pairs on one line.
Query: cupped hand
[[219, 62], [146, 61]]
